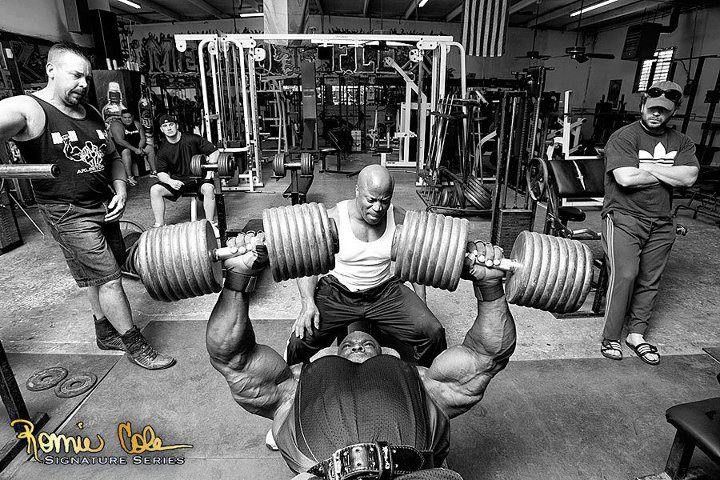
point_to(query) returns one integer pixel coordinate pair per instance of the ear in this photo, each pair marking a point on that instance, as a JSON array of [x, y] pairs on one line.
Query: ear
[[50, 70]]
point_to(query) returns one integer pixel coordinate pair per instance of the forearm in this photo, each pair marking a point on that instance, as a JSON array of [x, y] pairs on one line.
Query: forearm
[[306, 287], [117, 172], [124, 143], [633, 177], [164, 177], [493, 332], [676, 176], [230, 337]]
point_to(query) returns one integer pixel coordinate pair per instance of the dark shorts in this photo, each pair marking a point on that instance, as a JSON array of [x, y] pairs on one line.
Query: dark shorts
[[190, 186], [93, 248]]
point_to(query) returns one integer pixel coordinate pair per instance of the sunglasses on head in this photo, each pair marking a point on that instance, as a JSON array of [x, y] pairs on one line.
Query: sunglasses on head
[[672, 95]]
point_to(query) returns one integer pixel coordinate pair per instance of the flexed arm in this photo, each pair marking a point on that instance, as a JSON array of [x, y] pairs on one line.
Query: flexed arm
[[259, 379], [458, 377]]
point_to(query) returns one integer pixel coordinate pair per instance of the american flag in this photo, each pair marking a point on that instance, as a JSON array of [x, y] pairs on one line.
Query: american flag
[[485, 27]]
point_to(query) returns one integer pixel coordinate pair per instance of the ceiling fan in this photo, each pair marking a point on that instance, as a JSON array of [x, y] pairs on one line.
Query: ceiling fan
[[533, 54], [578, 52]]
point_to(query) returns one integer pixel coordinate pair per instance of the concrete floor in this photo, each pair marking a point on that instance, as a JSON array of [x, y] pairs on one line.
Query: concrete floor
[[43, 312]]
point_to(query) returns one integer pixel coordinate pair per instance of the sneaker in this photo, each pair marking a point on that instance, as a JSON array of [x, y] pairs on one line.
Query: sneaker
[[142, 353], [106, 337], [132, 182], [215, 229], [153, 174]]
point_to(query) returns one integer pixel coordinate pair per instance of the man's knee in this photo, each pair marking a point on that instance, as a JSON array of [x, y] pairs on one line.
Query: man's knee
[[207, 190], [157, 191], [126, 155], [112, 285], [626, 273]]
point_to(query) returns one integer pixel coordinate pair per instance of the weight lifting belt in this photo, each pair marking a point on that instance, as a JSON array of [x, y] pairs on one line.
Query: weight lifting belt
[[372, 461]]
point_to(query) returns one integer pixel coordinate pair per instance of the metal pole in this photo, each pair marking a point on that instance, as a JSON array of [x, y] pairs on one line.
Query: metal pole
[[203, 86], [693, 94]]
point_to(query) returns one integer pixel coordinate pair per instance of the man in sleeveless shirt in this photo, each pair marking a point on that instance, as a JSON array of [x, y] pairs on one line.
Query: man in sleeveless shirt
[[130, 141], [361, 287], [643, 162], [83, 205], [360, 402]]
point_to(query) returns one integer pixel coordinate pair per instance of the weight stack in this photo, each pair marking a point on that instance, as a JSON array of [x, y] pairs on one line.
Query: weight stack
[[507, 225], [9, 230]]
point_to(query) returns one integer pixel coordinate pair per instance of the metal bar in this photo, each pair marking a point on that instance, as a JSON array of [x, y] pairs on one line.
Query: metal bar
[[203, 86], [216, 95], [27, 170], [693, 94]]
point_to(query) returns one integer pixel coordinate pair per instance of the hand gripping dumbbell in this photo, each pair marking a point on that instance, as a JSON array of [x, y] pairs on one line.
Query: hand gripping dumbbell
[[225, 165], [282, 162], [544, 272], [20, 170], [183, 260]]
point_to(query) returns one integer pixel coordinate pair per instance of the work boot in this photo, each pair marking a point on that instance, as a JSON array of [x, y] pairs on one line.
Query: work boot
[[142, 353], [106, 336]]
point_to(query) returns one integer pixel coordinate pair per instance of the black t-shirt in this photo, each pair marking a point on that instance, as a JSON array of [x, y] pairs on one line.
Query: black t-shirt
[[629, 146], [83, 152], [174, 158]]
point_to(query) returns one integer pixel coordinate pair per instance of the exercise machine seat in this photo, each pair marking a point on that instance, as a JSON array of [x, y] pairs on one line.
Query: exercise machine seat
[[578, 178], [572, 214], [700, 420]]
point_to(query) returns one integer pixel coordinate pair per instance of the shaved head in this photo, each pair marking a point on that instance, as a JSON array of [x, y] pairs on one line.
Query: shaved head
[[376, 178], [58, 51], [358, 346]]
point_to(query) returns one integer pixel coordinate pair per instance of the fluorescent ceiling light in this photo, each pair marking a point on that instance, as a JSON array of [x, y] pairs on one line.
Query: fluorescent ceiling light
[[248, 15], [132, 4], [422, 3], [592, 7]]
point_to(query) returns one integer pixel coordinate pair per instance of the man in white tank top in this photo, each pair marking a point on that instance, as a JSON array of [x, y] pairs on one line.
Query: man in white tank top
[[362, 286]]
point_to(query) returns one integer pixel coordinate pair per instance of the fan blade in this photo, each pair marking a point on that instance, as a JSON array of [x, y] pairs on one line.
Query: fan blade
[[607, 56]]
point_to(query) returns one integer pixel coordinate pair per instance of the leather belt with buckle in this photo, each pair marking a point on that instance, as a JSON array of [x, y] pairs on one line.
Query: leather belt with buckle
[[372, 461]]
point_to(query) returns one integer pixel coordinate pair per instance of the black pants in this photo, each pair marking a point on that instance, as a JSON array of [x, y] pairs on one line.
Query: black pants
[[398, 317]]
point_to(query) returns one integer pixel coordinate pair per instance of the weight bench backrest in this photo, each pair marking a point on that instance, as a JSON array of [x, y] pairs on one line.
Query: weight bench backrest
[[578, 178]]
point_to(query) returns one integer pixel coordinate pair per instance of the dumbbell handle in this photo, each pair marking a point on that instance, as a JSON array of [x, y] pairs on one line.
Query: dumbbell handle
[[48, 170], [223, 253], [506, 264]]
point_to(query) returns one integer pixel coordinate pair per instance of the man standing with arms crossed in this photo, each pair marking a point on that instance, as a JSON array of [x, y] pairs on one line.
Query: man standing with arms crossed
[[643, 162], [82, 206]]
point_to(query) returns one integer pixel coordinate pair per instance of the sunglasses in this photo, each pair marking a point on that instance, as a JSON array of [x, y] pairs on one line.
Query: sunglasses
[[672, 95]]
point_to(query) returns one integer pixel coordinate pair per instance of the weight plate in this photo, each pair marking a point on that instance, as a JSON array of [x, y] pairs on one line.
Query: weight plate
[[307, 166], [45, 378], [568, 277], [319, 236], [536, 177], [547, 258], [459, 257], [295, 241], [270, 228], [226, 165], [557, 275], [196, 163], [421, 244], [517, 279], [332, 245], [75, 385], [443, 253], [583, 277], [425, 254], [587, 282], [279, 164], [535, 246]]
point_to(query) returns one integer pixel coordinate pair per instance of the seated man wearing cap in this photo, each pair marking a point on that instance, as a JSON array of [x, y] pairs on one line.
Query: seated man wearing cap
[[173, 170], [360, 408], [643, 162]]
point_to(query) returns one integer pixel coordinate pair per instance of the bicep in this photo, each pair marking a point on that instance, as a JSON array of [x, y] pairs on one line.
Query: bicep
[[620, 152]]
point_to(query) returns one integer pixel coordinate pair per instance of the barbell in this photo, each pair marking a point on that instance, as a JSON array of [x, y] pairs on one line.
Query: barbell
[[183, 260], [282, 161], [544, 272], [20, 170], [225, 165]]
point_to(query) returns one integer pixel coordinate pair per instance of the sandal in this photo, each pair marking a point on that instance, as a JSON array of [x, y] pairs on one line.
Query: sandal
[[642, 349], [611, 349]]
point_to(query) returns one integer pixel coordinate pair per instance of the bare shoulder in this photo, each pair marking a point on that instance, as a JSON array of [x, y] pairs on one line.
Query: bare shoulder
[[25, 115]]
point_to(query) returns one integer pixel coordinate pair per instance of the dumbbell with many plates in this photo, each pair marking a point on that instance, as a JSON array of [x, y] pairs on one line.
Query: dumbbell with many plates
[[544, 272], [225, 165]]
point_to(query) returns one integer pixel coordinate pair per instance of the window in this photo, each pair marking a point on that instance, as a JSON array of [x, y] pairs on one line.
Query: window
[[654, 69]]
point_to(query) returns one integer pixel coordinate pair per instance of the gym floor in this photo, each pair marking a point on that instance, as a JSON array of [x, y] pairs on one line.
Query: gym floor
[[559, 410]]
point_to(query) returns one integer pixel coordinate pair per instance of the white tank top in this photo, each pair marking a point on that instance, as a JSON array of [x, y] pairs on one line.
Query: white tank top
[[362, 265]]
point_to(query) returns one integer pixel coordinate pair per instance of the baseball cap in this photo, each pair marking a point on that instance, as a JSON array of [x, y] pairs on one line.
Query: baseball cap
[[657, 95], [166, 118]]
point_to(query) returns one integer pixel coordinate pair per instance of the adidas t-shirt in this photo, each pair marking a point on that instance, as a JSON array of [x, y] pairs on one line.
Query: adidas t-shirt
[[627, 147]]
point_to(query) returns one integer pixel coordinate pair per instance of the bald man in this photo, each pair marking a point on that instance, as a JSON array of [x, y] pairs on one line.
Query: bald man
[[359, 410], [362, 287]]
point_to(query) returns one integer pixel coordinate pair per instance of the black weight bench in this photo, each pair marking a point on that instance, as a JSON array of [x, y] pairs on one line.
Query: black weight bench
[[698, 425]]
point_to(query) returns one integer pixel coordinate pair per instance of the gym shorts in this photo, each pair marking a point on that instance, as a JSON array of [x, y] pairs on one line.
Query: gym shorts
[[93, 248], [190, 186]]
